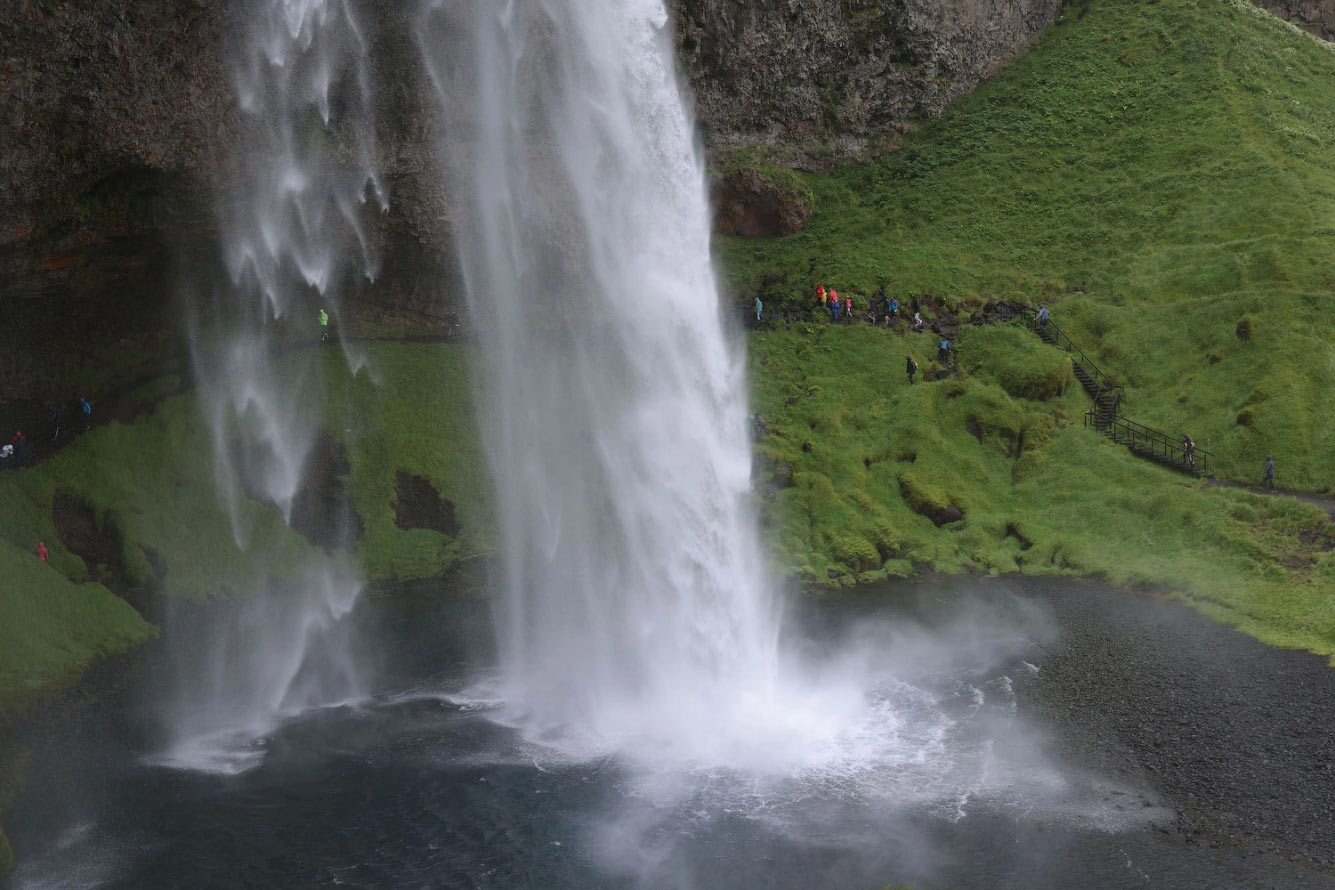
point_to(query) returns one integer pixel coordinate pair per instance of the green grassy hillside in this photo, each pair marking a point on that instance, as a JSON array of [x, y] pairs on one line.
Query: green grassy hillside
[[1162, 175], [1156, 172]]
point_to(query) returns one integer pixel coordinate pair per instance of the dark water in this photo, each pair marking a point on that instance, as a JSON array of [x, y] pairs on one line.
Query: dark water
[[418, 787]]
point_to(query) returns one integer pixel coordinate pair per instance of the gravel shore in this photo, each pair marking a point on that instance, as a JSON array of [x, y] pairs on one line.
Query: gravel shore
[[1237, 734]]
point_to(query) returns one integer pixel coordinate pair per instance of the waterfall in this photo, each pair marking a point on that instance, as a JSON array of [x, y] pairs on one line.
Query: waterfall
[[292, 208], [634, 607]]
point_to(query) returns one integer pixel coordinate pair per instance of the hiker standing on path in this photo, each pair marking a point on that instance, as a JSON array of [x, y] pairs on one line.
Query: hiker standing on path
[[42, 552], [85, 412], [324, 326], [760, 307], [57, 418], [848, 308], [917, 322], [911, 367], [820, 294], [943, 351], [20, 443], [834, 304], [1269, 480], [1043, 317], [1188, 451]]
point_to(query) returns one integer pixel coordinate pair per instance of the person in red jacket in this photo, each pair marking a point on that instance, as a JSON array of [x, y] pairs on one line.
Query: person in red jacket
[[820, 293], [848, 308], [42, 553]]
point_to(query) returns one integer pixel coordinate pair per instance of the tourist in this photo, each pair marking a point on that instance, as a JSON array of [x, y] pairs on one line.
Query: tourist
[[911, 366], [834, 304], [894, 309], [917, 322], [57, 418], [1188, 450], [85, 412], [20, 443], [324, 325], [1043, 317], [820, 294], [42, 553], [1269, 480], [760, 307], [943, 351], [848, 308]]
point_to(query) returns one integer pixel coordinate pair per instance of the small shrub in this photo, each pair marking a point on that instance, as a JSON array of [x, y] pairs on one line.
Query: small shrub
[[1246, 328], [1246, 417]]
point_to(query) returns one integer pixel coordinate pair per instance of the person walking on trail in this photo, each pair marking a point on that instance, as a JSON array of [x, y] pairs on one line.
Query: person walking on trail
[[57, 418], [848, 308], [911, 367], [943, 351], [760, 307], [1269, 480], [894, 309], [917, 322], [42, 552], [820, 294], [324, 326], [85, 412], [834, 304], [1188, 451], [1043, 317], [20, 443]]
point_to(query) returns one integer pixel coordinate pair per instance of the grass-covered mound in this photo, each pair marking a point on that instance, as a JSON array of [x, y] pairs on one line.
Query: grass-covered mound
[[1163, 175]]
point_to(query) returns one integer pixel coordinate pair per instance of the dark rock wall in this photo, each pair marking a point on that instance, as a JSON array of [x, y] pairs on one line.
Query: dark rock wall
[[1317, 16], [831, 77]]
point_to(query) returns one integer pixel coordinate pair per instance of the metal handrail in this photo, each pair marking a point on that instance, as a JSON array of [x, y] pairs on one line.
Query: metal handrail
[[1160, 444], [1064, 341]]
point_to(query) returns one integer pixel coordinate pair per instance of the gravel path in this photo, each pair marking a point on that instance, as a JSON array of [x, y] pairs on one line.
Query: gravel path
[[1238, 734]]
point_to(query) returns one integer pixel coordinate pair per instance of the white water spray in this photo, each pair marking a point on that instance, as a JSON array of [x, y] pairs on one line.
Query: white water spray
[[293, 236]]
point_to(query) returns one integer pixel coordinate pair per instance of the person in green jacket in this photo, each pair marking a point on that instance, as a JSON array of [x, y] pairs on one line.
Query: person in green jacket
[[324, 325], [760, 308]]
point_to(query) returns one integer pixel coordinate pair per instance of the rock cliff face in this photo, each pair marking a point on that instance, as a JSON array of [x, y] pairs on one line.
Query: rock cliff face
[[1317, 16], [831, 77]]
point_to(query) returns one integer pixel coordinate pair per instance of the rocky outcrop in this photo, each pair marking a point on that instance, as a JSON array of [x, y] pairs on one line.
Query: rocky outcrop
[[821, 79], [1317, 16], [747, 202]]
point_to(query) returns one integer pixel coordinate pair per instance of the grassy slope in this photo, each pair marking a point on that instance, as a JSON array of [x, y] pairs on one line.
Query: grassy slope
[[1153, 171], [154, 481]]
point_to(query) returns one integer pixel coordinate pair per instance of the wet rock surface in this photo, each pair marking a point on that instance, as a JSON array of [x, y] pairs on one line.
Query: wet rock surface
[[417, 504], [1238, 734], [321, 511]]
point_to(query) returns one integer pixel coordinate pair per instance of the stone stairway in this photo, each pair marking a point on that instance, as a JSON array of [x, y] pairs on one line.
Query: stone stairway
[[1105, 417]]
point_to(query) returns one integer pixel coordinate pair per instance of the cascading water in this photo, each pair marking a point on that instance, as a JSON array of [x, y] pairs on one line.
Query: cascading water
[[635, 610], [292, 236]]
